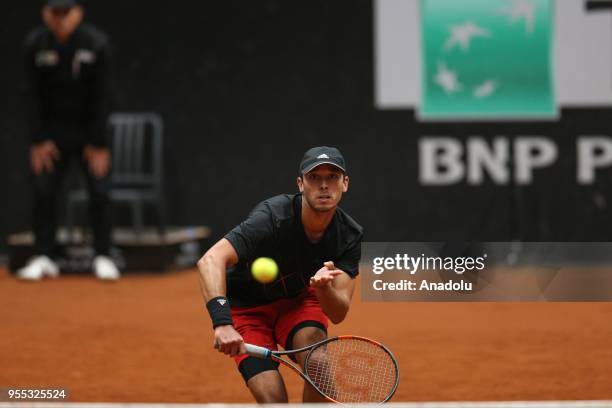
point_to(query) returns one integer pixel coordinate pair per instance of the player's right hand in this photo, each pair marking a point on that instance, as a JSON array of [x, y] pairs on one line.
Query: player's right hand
[[42, 156], [229, 341], [325, 275]]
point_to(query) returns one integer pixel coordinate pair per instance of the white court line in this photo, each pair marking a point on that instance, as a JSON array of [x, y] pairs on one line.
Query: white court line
[[480, 404]]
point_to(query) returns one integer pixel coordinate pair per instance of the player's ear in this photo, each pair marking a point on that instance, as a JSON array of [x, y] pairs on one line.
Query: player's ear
[[300, 184], [345, 183]]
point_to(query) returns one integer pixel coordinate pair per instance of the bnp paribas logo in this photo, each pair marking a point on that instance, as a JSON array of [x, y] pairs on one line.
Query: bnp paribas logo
[[487, 59]]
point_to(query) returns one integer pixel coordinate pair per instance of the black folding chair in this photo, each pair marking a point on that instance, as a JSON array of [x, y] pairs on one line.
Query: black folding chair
[[137, 168]]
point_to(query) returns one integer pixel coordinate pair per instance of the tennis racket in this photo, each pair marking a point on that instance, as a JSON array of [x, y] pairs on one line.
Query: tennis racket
[[343, 369]]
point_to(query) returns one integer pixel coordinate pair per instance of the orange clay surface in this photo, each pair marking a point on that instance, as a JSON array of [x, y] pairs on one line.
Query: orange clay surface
[[148, 338]]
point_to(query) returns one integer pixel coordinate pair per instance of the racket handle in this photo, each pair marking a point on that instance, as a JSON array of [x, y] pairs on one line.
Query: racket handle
[[256, 351]]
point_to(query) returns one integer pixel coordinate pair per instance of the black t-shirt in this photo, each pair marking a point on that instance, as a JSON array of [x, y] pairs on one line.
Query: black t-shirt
[[69, 87], [274, 229]]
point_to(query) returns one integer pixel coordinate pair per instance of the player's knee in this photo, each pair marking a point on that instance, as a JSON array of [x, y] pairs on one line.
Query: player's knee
[[307, 336], [268, 387], [318, 359]]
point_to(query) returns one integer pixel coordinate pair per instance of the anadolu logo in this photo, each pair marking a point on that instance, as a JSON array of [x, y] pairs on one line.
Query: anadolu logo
[[487, 59]]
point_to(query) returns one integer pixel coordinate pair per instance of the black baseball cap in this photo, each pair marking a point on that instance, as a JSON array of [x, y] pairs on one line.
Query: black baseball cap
[[62, 3], [322, 155]]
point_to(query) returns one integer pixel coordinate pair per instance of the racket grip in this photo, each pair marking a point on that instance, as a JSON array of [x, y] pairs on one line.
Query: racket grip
[[256, 351]]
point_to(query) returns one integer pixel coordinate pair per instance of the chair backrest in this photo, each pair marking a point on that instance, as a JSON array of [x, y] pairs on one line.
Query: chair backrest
[[137, 140]]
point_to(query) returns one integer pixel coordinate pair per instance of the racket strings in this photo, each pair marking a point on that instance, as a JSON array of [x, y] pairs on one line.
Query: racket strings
[[352, 371]]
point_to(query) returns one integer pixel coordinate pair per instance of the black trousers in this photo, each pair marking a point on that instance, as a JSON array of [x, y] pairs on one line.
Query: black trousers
[[47, 190]]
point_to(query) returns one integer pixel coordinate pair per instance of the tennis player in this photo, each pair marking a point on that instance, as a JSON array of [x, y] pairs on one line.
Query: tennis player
[[317, 247]]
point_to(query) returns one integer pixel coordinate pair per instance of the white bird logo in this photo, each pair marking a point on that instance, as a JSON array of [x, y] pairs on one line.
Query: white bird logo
[[485, 89], [447, 79], [521, 9], [462, 34]]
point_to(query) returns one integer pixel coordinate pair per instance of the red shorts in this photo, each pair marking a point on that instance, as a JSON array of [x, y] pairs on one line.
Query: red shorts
[[271, 324]]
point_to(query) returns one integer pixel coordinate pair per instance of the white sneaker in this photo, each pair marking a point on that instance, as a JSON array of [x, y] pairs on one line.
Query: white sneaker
[[37, 268], [105, 269]]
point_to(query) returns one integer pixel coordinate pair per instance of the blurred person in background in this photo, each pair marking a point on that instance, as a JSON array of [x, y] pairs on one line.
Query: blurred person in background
[[69, 95]]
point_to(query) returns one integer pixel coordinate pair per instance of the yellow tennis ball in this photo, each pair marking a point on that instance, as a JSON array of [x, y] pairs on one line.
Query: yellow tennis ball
[[264, 270]]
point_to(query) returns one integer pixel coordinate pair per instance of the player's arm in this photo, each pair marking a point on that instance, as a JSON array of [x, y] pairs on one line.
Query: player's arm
[[240, 243], [212, 267], [334, 289], [31, 90]]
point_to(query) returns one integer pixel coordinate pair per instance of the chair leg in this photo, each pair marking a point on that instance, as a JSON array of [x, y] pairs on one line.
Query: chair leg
[[137, 218], [69, 218], [71, 225], [160, 206]]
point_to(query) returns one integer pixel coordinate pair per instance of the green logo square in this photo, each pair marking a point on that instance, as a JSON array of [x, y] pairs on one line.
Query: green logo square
[[487, 59]]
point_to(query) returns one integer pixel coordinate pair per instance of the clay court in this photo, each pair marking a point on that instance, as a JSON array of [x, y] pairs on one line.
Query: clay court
[[146, 338]]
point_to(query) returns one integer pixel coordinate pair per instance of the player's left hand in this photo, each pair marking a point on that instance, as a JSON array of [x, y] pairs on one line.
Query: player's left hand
[[325, 275], [98, 160]]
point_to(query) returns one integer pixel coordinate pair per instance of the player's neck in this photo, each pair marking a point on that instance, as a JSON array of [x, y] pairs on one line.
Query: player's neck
[[315, 222]]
